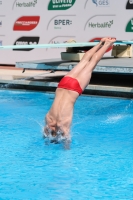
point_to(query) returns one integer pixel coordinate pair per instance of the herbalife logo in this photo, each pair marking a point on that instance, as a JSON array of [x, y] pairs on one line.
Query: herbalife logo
[[101, 2], [101, 25], [60, 4], [129, 27], [21, 3]]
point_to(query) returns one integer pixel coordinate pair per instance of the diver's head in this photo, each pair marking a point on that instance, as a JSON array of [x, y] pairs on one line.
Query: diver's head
[[56, 135]]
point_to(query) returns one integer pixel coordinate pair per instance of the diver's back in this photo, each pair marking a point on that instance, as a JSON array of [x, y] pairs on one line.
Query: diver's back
[[62, 107]]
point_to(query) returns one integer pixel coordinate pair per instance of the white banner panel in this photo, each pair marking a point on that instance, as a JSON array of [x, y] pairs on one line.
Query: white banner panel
[[56, 21]]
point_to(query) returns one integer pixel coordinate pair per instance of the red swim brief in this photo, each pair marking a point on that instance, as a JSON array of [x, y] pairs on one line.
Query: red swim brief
[[70, 83]]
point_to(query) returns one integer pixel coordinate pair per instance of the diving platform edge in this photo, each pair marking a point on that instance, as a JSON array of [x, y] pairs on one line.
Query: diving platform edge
[[105, 65]]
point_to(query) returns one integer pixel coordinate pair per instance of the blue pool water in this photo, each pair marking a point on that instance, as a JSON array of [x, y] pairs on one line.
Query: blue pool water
[[99, 164]]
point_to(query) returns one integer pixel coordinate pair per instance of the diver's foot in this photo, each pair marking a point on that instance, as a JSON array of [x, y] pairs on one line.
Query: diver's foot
[[109, 41], [102, 41]]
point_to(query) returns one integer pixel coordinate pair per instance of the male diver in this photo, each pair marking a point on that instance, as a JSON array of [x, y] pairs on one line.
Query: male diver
[[59, 117]]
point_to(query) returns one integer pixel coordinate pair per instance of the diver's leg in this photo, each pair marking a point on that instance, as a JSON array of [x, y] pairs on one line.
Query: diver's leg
[[86, 58], [88, 55], [85, 75]]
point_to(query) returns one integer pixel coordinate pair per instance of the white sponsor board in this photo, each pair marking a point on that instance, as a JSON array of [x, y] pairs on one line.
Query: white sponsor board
[[58, 21]]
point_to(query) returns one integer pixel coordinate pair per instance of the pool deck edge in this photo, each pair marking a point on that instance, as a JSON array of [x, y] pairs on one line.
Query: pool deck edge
[[45, 80]]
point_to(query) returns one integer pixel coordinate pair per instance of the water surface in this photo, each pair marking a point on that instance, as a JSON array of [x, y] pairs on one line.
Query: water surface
[[99, 164]]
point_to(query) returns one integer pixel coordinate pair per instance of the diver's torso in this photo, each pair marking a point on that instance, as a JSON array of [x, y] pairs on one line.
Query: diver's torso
[[61, 110]]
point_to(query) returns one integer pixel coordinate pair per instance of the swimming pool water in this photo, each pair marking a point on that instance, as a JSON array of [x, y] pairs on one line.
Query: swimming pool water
[[99, 164]]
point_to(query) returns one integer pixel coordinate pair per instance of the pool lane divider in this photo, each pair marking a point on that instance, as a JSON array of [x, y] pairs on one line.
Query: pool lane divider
[[61, 45]]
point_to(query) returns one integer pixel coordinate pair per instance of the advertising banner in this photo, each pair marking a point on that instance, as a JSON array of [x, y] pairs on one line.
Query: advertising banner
[[28, 22]]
